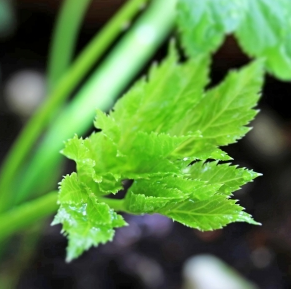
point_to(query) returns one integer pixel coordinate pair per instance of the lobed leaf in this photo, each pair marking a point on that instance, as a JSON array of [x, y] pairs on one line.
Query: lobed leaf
[[207, 214], [262, 28], [174, 188], [86, 221], [265, 32], [203, 24], [157, 103], [152, 136], [231, 177], [141, 204], [222, 114]]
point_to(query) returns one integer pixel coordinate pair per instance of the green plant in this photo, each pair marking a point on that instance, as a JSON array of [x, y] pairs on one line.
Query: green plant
[[164, 133]]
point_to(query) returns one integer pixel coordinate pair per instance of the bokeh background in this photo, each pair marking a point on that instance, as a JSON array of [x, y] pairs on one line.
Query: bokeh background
[[153, 251]]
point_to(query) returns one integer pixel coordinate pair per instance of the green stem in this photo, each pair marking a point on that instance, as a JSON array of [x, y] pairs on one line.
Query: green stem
[[37, 123], [113, 76], [27, 214], [64, 39], [115, 204]]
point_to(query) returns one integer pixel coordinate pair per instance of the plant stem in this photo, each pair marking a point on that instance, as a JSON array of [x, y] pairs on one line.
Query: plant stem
[[113, 76], [64, 39], [27, 214], [37, 123], [115, 204]]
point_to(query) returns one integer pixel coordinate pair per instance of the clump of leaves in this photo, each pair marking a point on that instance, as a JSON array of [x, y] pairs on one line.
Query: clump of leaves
[[164, 134], [160, 134]]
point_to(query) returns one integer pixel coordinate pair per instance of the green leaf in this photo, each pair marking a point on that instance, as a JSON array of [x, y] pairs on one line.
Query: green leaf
[[152, 136], [155, 104], [265, 32], [179, 110], [201, 150], [149, 154], [203, 24], [171, 187], [262, 28], [71, 190], [209, 214], [150, 196], [231, 177], [86, 221], [96, 177], [141, 204], [108, 125], [224, 111], [174, 187], [76, 150]]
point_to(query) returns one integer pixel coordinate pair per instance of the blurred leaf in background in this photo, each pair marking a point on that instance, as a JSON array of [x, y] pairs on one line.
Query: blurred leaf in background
[[261, 28], [7, 18]]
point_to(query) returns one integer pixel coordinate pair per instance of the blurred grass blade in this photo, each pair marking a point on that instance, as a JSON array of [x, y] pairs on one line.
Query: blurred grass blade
[[27, 214], [64, 39], [7, 18], [67, 84]]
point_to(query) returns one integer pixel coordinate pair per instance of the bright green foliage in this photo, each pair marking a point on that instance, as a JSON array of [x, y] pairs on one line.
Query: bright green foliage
[[87, 221], [262, 28], [170, 89], [266, 32], [207, 214], [152, 136], [230, 176], [204, 23]]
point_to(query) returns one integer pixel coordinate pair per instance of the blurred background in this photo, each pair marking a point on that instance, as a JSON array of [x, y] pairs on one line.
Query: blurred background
[[153, 252]]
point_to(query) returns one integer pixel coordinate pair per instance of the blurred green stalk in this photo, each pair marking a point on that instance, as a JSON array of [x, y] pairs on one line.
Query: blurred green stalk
[[26, 214], [64, 39], [68, 83], [112, 76]]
